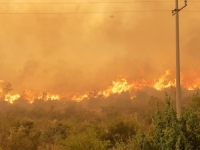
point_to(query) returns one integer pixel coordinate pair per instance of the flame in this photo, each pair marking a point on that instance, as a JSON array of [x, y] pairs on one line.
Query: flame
[[49, 96], [163, 82], [53, 97], [28, 95], [79, 97], [120, 86], [11, 98], [195, 84], [117, 88], [189, 80]]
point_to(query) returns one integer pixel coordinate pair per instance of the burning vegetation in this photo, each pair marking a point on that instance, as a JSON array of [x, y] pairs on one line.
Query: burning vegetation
[[61, 59], [189, 81], [122, 116]]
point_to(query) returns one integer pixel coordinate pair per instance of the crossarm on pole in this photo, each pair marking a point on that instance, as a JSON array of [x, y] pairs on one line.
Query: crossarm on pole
[[177, 10]]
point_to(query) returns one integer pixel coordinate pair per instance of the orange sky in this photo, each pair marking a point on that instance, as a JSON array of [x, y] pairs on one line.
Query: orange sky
[[81, 51]]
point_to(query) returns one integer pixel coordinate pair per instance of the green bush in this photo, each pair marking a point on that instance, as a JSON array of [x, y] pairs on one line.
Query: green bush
[[87, 140], [119, 131]]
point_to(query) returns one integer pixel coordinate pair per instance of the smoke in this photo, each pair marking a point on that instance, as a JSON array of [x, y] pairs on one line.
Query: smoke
[[80, 51]]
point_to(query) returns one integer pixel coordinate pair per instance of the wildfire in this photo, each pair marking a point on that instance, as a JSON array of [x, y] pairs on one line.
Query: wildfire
[[164, 82], [79, 97], [189, 81], [28, 95], [11, 98], [49, 96], [117, 88]]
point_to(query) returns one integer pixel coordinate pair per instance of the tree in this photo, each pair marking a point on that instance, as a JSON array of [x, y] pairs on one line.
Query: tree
[[7, 89], [170, 133]]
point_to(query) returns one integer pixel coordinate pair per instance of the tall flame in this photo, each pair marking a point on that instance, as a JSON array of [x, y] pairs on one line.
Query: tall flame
[[117, 88], [163, 82]]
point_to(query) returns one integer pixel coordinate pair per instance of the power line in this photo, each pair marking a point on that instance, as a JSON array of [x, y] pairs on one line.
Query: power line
[[191, 11], [99, 2], [83, 2], [117, 2], [104, 12]]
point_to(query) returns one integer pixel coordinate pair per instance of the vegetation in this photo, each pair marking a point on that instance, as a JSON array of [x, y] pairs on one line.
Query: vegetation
[[117, 123]]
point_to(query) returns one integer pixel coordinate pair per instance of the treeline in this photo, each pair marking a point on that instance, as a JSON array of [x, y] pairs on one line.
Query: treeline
[[116, 123]]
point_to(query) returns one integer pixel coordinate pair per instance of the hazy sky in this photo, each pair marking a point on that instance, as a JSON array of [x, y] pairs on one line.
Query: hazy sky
[[80, 51]]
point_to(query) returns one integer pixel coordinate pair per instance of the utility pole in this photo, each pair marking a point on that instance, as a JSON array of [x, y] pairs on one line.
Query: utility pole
[[178, 85]]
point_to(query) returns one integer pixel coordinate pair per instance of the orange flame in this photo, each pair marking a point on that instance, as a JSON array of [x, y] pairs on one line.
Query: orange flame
[[49, 96], [11, 98], [28, 95], [117, 88], [79, 97], [189, 80], [163, 82]]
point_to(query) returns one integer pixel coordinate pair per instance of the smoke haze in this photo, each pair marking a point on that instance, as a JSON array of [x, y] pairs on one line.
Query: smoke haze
[[80, 51]]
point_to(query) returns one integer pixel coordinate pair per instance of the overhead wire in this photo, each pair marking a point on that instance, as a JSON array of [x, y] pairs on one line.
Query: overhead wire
[[87, 2], [96, 12], [92, 12], [106, 12], [97, 2]]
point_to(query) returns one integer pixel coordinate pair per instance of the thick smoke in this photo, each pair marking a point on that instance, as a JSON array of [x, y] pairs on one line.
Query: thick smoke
[[80, 51]]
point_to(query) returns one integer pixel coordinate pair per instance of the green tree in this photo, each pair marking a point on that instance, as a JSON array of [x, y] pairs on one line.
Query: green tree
[[170, 133]]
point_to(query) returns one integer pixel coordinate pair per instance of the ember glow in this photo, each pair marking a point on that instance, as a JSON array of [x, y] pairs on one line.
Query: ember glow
[[118, 86]]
